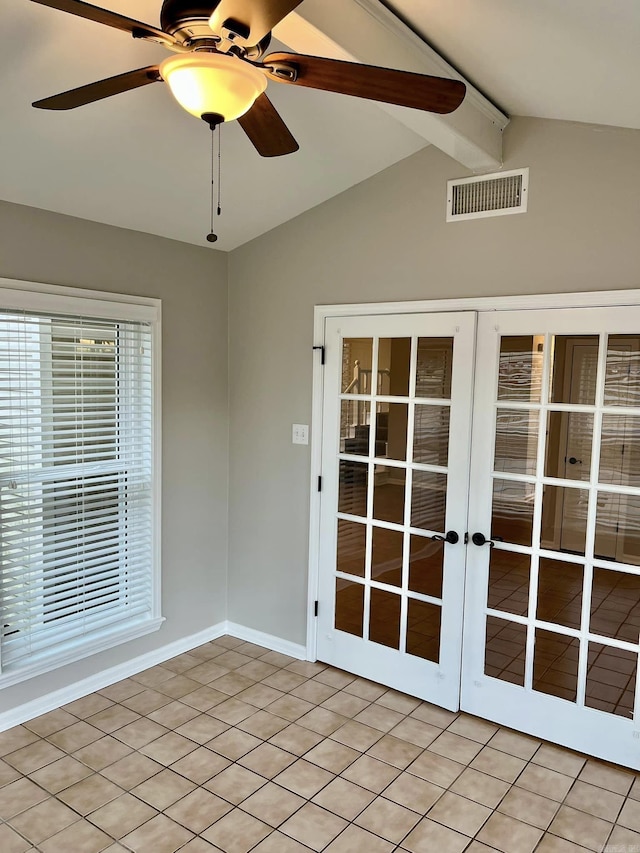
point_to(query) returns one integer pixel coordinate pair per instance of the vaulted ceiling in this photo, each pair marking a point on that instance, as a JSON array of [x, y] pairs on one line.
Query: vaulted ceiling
[[138, 161]]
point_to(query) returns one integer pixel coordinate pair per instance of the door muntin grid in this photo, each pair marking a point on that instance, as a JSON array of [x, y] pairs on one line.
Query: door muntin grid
[[563, 606], [393, 466]]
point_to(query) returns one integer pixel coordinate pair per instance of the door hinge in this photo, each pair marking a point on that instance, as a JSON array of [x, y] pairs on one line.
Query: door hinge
[[321, 348], [319, 484], [315, 608]]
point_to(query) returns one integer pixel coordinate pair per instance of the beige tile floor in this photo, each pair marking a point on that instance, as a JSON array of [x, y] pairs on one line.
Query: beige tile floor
[[234, 748]]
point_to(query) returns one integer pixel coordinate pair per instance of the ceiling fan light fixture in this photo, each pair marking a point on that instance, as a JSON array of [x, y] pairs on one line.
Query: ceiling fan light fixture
[[213, 83]]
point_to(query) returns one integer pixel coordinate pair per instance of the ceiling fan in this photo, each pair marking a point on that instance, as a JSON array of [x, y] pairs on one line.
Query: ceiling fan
[[220, 72]]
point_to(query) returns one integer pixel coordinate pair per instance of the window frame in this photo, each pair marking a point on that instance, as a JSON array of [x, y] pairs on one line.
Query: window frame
[[56, 299]]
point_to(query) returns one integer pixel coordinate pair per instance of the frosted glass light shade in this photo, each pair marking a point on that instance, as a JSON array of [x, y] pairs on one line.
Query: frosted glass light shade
[[213, 83]]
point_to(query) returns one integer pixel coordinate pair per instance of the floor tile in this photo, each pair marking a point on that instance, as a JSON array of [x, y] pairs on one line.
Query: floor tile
[[623, 839], [332, 756], [113, 718], [272, 804], [414, 793], [616, 779], [44, 820], [370, 773], [313, 826], [94, 702], [30, 758], [15, 739], [284, 680], [235, 784], [580, 828], [498, 764], [416, 732], [122, 815], [160, 835], [460, 814], [198, 810], [314, 692], [345, 703], [289, 707], [630, 815], [262, 724], [232, 711], [146, 702], [557, 758], [394, 751], [81, 835], [322, 721], [233, 744], [428, 836], [529, 807], [236, 832], [267, 760], [279, 843], [200, 765], [261, 695], [173, 715], [547, 783], [132, 770], [514, 743], [344, 798], [90, 793], [428, 713], [163, 790], [436, 768], [10, 774], [304, 778], [202, 728], [457, 748], [480, 787], [140, 732], [508, 835], [387, 819], [595, 801], [11, 842], [365, 689], [554, 844], [354, 838], [47, 724], [296, 739], [398, 701], [168, 748], [473, 728], [102, 753], [60, 774], [356, 735], [378, 717]]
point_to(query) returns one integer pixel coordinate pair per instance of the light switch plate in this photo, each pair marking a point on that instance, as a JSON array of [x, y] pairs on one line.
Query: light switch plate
[[300, 434]]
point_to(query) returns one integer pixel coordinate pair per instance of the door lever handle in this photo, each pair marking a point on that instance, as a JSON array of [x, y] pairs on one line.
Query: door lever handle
[[480, 539], [451, 537]]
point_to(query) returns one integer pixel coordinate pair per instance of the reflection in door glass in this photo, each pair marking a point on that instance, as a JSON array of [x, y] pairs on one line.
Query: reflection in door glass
[[560, 592], [568, 453], [352, 539], [388, 494], [386, 556], [618, 527], [505, 649], [354, 427], [564, 518], [431, 435], [357, 361], [349, 613], [512, 512], [352, 493], [611, 680], [520, 367], [428, 500], [622, 374], [516, 441], [620, 450], [394, 358], [433, 368], [509, 582], [384, 618], [615, 605], [574, 369], [555, 664], [423, 630], [391, 431], [425, 566]]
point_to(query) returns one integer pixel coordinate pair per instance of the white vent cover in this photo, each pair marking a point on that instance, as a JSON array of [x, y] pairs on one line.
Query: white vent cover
[[488, 195]]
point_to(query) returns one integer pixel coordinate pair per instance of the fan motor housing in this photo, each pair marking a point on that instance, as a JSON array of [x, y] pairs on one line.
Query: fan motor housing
[[188, 20]]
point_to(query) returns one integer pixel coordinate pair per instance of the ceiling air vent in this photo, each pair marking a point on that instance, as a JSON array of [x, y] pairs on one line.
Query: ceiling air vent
[[488, 195]]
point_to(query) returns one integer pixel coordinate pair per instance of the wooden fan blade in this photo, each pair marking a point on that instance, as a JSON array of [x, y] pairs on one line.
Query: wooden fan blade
[[257, 17], [270, 135], [433, 94], [101, 89], [111, 19]]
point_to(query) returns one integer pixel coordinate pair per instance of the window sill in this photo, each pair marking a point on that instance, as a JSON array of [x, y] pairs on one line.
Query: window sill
[[77, 650]]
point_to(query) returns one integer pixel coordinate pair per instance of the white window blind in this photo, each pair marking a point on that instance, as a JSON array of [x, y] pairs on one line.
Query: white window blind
[[76, 482]]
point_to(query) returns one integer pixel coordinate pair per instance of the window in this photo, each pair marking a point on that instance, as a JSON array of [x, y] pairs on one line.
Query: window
[[78, 504]]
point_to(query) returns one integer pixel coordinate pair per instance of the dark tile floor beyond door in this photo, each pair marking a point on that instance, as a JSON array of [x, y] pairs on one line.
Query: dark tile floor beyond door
[[234, 748]]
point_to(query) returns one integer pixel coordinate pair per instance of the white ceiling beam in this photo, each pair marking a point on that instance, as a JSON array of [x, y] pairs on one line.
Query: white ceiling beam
[[366, 31]]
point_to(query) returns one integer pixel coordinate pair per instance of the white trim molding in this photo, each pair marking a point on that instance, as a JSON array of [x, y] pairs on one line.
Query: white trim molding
[[106, 677]]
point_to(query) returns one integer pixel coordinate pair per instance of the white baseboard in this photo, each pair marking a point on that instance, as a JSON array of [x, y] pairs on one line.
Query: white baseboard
[[276, 644], [106, 677]]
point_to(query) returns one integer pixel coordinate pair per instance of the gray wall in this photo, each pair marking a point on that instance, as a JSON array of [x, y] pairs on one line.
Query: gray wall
[[192, 282], [386, 239]]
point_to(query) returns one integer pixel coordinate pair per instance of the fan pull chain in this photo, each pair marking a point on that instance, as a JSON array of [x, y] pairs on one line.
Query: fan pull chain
[[219, 168], [212, 236]]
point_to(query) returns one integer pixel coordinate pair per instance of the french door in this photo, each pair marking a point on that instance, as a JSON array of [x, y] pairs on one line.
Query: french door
[[505, 580], [396, 432]]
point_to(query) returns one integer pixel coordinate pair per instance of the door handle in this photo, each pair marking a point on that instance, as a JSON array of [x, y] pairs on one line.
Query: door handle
[[480, 539], [451, 537]]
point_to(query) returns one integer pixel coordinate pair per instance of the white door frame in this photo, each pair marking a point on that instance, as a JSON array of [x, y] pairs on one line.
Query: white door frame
[[593, 299]]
